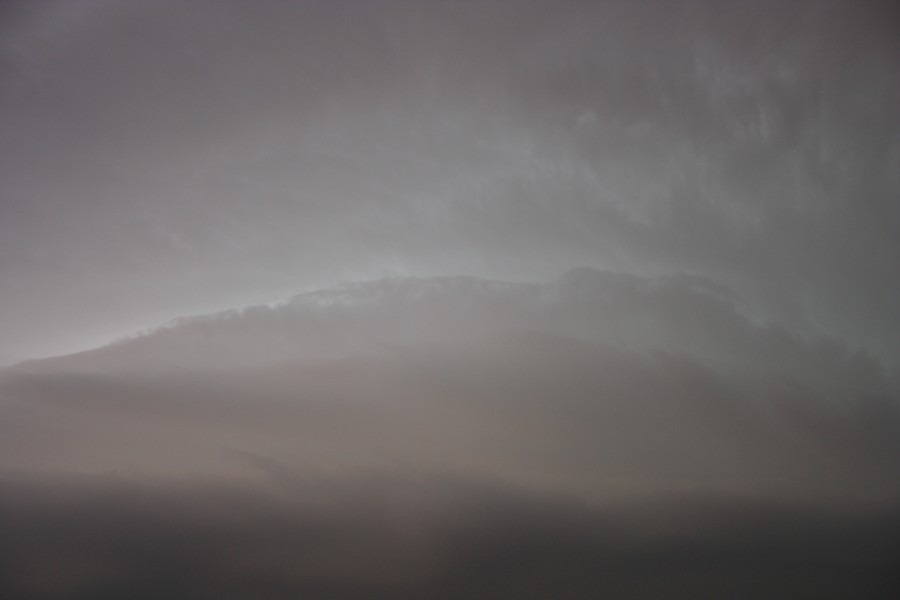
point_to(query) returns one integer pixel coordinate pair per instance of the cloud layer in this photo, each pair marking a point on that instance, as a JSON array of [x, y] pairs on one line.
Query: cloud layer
[[160, 160], [455, 437], [619, 321], [396, 537]]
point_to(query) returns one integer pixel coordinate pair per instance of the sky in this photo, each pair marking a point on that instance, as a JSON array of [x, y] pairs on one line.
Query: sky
[[433, 298], [161, 160]]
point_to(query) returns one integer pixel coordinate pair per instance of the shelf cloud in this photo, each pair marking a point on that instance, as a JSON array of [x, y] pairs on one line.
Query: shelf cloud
[[426, 299]]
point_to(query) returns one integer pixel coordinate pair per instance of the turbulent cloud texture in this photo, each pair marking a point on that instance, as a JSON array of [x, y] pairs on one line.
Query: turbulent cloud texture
[[159, 159], [482, 299], [457, 436]]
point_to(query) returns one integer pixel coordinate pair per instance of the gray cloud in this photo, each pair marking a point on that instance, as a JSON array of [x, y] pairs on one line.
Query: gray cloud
[[680, 314], [172, 159], [618, 313], [594, 379], [440, 537], [454, 437]]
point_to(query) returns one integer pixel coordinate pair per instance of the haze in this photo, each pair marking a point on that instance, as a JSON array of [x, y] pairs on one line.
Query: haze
[[445, 299]]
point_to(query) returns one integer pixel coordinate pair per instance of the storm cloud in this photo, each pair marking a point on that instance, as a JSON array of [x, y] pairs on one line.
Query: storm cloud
[[455, 437], [386, 535], [159, 159], [449, 299]]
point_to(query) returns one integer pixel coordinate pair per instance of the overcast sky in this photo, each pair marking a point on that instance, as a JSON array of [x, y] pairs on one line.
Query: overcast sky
[[161, 158], [449, 299]]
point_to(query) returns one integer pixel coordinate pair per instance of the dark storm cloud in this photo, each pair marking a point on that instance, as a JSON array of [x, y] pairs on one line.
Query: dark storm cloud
[[693, 316], [704, 404], [160, 158], [454, 437], [436, 536], [596, 379]]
